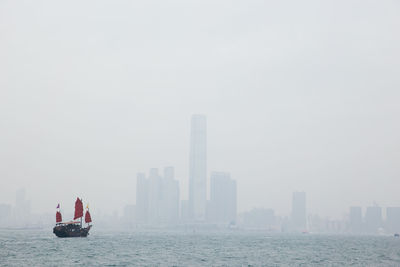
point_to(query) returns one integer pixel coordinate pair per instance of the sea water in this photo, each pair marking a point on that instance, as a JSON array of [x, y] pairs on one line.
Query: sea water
[[166, 248]]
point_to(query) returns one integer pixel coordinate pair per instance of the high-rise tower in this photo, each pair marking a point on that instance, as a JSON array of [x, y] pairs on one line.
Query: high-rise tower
[[198, 168]]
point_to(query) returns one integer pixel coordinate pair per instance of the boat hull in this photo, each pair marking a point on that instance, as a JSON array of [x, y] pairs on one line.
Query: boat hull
[[71, 231]]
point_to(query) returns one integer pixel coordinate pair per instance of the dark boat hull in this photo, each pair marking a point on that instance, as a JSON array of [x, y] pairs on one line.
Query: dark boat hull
[[71, 231]]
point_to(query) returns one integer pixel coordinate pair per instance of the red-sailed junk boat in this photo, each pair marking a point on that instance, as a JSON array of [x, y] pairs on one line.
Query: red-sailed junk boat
[[73, 228]]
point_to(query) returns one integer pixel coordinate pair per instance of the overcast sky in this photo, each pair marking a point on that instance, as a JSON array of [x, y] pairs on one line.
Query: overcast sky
[[299, 96]]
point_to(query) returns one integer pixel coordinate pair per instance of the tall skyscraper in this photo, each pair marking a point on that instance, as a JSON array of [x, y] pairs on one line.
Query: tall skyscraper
[[299, 217], [198, 168], [222, 206]]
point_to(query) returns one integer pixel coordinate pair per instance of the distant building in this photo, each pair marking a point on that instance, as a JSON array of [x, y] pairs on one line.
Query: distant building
[[222, 206], [259, 219], [316, 224], [154, 196], [157, 198], [334, 226], [373, 219], [299, 217], [355, 220], [393, 219], [198, 168], [142, 201], [170, 197]]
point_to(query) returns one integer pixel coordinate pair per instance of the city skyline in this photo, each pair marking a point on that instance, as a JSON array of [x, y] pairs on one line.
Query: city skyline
[[158, 199], [164, 213], [198, 161], [159, 202]]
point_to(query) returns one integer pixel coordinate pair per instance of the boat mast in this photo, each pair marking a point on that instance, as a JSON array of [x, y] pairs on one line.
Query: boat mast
[[82, 213]]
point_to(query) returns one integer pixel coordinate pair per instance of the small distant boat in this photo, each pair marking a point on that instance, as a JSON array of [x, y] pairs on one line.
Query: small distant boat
[[396, 235], [73, 228]]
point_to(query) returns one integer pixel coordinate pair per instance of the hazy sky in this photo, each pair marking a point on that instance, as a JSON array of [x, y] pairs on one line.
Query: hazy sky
[[299, 96]]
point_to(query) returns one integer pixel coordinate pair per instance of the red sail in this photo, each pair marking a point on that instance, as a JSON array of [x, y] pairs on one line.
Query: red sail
[[78, 209], [58, 217], [88, 219]]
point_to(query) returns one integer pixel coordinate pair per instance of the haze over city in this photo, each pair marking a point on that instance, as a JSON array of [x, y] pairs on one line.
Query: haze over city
[[304, 99]]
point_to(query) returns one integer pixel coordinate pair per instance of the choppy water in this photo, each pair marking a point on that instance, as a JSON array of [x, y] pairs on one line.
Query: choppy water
[[41, 248]]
